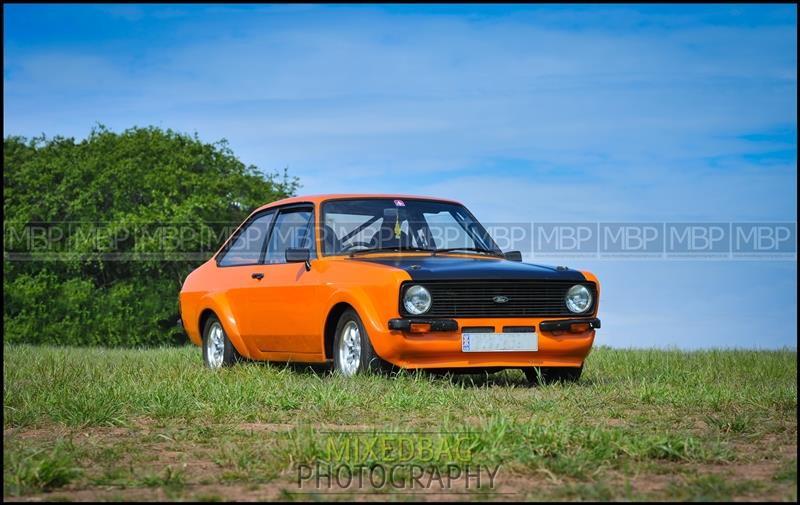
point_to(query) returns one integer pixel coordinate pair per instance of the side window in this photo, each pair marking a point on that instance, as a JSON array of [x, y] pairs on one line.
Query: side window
[[248, 244], [292, 230]]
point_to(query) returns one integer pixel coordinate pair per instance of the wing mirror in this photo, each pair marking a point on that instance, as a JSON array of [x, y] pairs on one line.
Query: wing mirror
[[299, 255], [513, 255]]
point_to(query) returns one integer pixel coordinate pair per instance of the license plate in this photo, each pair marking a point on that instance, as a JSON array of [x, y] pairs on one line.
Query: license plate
[[499, 342]]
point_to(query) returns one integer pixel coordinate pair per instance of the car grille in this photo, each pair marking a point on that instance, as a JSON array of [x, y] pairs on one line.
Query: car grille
[[524, 298]]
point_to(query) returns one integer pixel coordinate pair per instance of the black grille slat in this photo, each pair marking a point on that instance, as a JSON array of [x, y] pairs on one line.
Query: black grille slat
[[541, 298], [518, 329], [477, 329]]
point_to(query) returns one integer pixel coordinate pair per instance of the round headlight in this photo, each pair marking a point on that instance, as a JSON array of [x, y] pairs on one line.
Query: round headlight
[[417, 300], [579, 299]]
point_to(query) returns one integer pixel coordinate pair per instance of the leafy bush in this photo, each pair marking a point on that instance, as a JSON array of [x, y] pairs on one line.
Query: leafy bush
[[99, 234]]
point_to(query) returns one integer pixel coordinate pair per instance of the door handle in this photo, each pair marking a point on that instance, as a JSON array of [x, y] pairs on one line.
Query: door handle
[[257, 275]]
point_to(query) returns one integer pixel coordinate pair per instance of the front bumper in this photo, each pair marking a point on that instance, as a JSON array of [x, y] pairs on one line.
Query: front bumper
[[405, 324], [436, 343]]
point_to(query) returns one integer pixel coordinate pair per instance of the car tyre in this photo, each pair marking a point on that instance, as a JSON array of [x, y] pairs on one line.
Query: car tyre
[[218, 351], [550, 375], [352, 349]]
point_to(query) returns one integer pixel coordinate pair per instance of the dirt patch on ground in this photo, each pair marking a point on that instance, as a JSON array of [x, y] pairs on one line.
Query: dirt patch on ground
[[48, 433], [266, 427], [150, 450], [55, 431], [231, 492], [510, 487], [747, 474], [278, 427]]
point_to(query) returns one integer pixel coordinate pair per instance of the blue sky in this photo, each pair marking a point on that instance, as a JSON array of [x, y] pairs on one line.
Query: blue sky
[[524, 113]]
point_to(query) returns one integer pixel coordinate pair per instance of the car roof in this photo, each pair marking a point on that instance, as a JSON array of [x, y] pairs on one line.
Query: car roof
[[317, 199]]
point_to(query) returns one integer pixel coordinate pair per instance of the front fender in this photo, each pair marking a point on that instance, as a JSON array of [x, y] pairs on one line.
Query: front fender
[[592, 278], [374, 311], [358, 298]]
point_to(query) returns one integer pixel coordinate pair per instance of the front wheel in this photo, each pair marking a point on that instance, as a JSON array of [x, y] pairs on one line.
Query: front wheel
[[352, 350], [218, 351], [549, 375]]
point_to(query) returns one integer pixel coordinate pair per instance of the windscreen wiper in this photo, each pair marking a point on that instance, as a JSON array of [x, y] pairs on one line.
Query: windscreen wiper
[[393, 248], [469, 249]]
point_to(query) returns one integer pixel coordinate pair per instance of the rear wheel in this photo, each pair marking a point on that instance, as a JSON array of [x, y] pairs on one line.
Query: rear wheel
[[218, 351], [352, 350], [549, 375]]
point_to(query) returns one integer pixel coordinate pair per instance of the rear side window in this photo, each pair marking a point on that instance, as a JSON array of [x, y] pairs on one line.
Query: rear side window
[[247, 246]]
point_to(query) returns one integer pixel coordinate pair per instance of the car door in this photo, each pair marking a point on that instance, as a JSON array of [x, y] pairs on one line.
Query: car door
[[241, 268], [290, 310]]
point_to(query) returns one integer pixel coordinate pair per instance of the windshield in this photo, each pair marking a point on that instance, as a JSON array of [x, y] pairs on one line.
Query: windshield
[[364, 224]]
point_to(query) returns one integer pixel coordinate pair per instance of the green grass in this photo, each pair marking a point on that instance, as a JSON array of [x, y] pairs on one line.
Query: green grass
[[30, 470], [652, 424]]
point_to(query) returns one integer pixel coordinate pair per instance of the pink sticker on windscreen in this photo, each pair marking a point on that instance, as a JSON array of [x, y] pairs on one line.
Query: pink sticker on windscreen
[[399, 203]]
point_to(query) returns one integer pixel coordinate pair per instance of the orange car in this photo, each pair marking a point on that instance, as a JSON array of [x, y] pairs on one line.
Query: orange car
[[364, 281]]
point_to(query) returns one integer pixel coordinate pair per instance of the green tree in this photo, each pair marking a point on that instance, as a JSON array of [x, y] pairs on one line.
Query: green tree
[[99, 234]]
